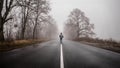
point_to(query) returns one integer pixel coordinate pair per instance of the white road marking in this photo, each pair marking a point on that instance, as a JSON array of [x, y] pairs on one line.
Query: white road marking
[[61, 57]]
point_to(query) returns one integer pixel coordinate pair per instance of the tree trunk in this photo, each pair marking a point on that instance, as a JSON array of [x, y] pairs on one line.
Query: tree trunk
[[1, 31], [77, 29], [36, 21], [35, 28], [24, 21], [1, 21]]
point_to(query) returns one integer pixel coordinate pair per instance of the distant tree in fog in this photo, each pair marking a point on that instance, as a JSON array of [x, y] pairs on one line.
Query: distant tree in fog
[[50, 29], [78, 25]]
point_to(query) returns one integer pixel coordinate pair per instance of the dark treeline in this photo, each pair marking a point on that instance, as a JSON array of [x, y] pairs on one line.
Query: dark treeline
[[26, 19]]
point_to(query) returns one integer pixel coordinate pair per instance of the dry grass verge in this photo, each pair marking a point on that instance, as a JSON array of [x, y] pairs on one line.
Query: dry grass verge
[[105, 44], [6, 46]]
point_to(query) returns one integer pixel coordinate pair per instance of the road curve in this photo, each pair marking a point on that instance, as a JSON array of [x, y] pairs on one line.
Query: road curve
[[47, 55]]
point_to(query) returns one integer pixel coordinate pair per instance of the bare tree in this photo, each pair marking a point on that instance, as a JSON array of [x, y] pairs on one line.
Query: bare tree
[[25, 10], [78, 25], [30, 17], [32, 11], [50, 29], [41, 10], [5, 8]]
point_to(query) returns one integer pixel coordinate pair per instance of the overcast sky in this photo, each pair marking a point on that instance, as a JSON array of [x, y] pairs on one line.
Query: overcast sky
[[105, 14]]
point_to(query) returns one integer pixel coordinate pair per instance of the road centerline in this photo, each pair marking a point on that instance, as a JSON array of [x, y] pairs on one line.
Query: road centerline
[[61, 57]]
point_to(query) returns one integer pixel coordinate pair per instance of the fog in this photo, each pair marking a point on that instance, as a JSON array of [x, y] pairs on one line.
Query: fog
[[103, 13]]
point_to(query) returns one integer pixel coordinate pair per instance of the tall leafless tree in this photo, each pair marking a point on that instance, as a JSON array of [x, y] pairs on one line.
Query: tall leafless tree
[[33, 11], [5, 8], [41, 10], [78, 25], [26, 7], [29, 18]]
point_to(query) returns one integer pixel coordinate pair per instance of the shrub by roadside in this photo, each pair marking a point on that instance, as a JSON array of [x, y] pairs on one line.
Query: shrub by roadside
[[105, 44], [9, 45]]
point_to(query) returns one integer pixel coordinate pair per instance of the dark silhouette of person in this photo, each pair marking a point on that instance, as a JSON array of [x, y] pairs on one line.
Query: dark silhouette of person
[[61, 37]]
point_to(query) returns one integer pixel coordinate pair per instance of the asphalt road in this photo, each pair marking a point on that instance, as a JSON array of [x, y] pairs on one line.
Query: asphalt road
[[47, 55]]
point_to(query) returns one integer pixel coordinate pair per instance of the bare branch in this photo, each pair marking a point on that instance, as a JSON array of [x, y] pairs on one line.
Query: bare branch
[[8, 19]]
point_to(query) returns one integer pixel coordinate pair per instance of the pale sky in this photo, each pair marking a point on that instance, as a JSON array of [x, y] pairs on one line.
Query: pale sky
[[105, 14]]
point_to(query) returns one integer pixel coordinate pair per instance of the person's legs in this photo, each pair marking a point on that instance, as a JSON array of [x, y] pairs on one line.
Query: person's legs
[[61, 40]]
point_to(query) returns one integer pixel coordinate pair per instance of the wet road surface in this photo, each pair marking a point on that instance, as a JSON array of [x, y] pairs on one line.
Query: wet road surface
[[47, 55]]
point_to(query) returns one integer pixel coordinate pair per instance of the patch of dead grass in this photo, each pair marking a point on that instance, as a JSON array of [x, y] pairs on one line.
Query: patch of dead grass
[[109, 44], [9, 45]]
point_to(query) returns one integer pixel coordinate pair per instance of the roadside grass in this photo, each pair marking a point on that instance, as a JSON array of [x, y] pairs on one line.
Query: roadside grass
[[10, 45], [109, 44]]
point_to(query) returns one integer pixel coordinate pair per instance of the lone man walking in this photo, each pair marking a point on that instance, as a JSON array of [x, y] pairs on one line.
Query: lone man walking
[[61, 37]]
